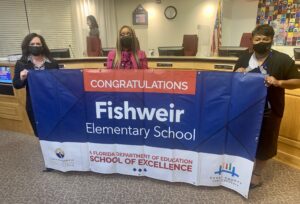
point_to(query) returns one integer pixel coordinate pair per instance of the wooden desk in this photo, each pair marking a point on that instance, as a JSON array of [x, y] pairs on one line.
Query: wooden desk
[[13, 115], [199, 63], [83, 63], [289, 136]]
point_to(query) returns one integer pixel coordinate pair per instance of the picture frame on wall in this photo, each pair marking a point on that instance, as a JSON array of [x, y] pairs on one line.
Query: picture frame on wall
[[140, 16]]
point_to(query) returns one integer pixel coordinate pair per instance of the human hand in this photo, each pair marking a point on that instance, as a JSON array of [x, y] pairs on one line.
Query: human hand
[[241, 69], [272, 81], [23, 74]]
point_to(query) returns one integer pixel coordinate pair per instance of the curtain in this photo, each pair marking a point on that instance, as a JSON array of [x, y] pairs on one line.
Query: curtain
[[107, 18], [51, 19], [104, 12]]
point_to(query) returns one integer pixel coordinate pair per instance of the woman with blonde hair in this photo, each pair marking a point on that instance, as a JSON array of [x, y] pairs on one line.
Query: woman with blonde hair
[[127, 54]]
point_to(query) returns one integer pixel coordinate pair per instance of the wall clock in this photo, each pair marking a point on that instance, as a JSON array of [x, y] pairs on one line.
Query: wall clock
[[170, 12]]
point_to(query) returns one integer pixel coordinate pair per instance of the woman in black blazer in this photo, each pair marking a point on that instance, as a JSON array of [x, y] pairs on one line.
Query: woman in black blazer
[[35, 56], [280, 73]]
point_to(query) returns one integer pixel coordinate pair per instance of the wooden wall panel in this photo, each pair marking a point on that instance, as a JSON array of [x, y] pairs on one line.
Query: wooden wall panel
[[289, 136], [13, 116]]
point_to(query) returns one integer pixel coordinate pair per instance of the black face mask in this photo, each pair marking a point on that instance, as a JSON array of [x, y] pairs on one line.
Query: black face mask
[[262, 47], [126, 42], [36, 50]]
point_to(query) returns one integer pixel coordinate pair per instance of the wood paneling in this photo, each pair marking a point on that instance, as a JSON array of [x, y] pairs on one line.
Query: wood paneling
[[13, 117], [10, 111], [85, 65], [289, 136]]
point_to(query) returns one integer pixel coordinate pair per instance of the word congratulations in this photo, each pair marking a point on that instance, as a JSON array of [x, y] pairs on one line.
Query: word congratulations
[[141, 84], [134, 113]]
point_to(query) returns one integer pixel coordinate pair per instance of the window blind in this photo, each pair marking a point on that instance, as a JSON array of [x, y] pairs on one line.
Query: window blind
[[13, 26], [52, 19]]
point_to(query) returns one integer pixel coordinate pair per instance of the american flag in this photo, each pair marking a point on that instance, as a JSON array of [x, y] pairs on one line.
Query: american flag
[[217, 32]]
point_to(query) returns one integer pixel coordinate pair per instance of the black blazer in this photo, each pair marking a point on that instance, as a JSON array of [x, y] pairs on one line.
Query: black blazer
[[282, 67], [21, 65]]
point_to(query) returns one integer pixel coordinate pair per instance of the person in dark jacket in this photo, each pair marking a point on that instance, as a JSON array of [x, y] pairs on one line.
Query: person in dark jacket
[[280, 73], [35, 56]]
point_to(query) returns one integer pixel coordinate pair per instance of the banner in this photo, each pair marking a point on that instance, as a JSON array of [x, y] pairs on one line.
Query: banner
[[180, 126]]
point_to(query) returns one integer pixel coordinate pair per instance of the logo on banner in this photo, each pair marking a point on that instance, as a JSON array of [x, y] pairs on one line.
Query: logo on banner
[[60, 159], [227, 168], [60, 153], [227, 174]]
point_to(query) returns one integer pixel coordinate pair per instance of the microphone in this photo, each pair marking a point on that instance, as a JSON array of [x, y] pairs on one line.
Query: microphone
[[71, 50]]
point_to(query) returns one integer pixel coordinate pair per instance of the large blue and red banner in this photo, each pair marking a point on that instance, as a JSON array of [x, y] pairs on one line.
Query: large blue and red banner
[[196, 127]]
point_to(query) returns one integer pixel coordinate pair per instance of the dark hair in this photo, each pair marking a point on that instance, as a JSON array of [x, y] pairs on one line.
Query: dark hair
[[93, 21], [25, 46], [265, 30]]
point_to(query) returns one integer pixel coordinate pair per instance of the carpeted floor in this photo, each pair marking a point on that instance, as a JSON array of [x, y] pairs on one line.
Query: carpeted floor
[[23, 181]]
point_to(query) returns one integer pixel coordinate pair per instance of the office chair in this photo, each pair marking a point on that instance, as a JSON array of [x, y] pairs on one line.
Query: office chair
[[246, 41], [190, 45], [94, 47]]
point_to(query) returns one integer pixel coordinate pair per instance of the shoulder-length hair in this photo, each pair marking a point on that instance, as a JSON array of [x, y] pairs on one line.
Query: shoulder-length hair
[[133, 48], [25, 46], [94, 23]]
